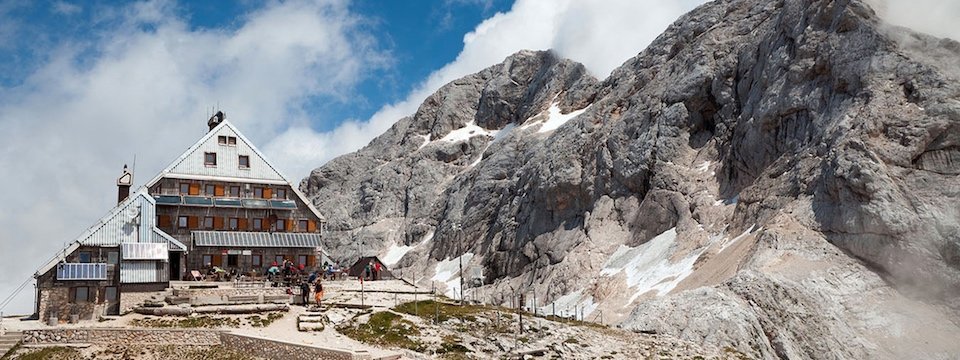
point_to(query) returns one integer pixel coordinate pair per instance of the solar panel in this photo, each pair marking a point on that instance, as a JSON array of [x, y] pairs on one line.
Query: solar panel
[[283, 204], [167, 199], [255, 203], [228, 202], [82, 271], [197, 200]]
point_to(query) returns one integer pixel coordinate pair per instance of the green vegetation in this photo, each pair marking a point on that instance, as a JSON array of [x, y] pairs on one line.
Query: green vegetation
[[51, 353], [427, 309], [11, 351], [189, 322], [257, 321], [451, 348], [385, 328]]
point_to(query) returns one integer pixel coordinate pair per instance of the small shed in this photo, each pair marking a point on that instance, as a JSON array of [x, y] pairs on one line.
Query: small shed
[[358, 267]]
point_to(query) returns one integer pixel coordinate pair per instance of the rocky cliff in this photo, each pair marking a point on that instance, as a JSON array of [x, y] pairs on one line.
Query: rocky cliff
[[779, 177]]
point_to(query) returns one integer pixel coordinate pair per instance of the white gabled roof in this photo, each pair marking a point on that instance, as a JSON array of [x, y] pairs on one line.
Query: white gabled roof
[[119, 226], [190, 165]]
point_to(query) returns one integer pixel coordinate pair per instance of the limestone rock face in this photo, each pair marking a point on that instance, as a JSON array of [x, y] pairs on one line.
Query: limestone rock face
[[778, 177]]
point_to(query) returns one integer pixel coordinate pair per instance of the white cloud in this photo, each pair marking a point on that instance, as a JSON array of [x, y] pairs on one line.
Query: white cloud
[[65, 8], [935, 17], [71, 125]]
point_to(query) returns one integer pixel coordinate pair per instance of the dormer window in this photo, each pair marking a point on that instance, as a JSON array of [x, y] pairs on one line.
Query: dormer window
[[210, 159], [244, 161], [227, 140]]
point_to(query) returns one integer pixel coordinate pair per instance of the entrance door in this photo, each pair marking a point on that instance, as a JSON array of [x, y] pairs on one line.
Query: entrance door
[[174, 257], [112, 298]]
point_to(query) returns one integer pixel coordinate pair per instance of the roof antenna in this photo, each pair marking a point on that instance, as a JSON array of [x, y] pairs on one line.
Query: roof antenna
[[133, 172]]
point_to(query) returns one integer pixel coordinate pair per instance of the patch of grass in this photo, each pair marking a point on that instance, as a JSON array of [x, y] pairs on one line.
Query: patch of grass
[[452, 348], [257, 321], [428, 310], [736, 353], [571, 340], [189, 322], [385, 328], [51, 353]]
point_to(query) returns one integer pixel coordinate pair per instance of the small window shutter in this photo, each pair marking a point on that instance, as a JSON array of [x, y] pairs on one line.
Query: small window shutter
[[218, 190], [311, 260], [291, 225], [311, 226], [194, 189], [217, 260], [218, 223], [267, 193], [193, 222], [163, 220], [242, 224]]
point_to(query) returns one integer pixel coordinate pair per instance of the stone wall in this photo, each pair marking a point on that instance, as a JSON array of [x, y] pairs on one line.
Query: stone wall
[[256, 346], [56, 302], [273, 349], [266, 291], [123, 336]]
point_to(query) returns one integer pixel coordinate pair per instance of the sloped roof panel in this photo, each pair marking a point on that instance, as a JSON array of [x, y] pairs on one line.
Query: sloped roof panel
[[255, 239]]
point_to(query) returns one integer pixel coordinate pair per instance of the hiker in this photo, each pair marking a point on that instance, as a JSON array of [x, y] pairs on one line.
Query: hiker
[[376, 271], [305, 293], [367, 271], [312, 278], [319, 292]]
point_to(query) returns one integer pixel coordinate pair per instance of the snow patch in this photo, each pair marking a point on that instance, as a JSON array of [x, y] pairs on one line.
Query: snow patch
[[704, 167], [448, 272], [556, 119], [426, 141], [395, 252], [465, 133], [648, 268]]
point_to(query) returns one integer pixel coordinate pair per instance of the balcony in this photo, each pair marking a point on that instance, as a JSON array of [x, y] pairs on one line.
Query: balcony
[[247, 203], [83, 271]]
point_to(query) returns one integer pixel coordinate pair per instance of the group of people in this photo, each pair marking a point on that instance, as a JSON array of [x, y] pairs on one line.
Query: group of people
[[305, 291], [372, 271]]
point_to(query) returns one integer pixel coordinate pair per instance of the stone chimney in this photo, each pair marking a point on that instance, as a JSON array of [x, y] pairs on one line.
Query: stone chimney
[[216, 119], [123, 184]]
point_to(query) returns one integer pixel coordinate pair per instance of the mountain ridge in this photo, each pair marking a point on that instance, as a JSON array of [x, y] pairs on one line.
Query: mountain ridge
[[796, 150]]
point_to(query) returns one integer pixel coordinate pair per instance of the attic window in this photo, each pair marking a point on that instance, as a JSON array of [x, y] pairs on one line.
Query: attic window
[[222, 140], [210, 159], [244, 161], [231, 140]]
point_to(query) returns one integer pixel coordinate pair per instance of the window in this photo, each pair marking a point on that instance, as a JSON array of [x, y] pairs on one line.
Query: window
[[231, 140], [210, 159], [234, 223], [257, 224], [281, 193], [233, 260], [184, 188], [210, 190], [258, 192], [235, 191], [86, 257], [208, 222], [182, 222], [255, 260], [279, 260], [302, 225], [113, 257], [302, 260], [207, 260], [222, 140], [280, 225], [244, 162], [81, 294], [110, 294]]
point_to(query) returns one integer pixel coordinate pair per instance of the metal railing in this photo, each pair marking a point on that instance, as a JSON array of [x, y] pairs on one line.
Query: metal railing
[[82, 271]]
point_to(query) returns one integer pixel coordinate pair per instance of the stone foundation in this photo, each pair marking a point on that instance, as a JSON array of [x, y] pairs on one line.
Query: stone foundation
[[123, 336], [273, 349], [256, 346], [56, 302], [129, 300]]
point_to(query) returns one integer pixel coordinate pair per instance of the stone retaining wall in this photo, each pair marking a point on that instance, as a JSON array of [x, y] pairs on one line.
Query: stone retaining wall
[[123, 336], [273, 349], [256, 346]]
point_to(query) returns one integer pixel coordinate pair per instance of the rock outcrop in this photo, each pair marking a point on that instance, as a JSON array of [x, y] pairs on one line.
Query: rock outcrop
[[779, 177]]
